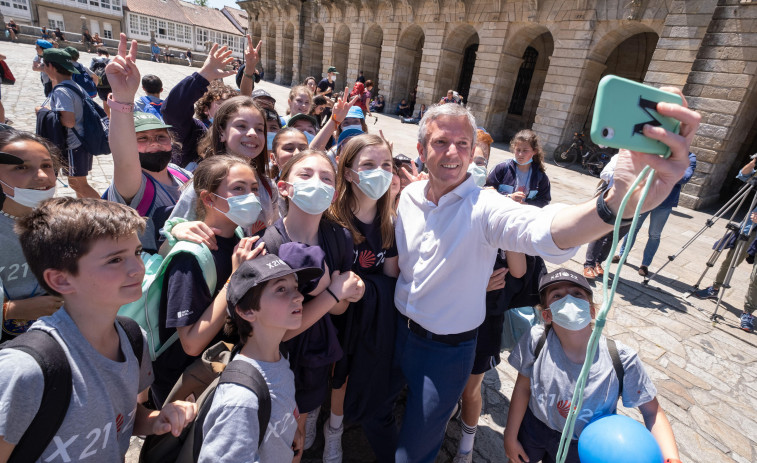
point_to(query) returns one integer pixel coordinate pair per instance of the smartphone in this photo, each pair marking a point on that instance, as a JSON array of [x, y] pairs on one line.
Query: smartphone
[[621, 110]]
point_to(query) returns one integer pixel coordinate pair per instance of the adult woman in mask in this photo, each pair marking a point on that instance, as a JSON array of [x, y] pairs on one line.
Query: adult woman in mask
[[27, 177]]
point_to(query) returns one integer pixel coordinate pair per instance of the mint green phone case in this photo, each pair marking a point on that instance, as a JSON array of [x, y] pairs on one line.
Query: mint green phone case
[[621, 110]]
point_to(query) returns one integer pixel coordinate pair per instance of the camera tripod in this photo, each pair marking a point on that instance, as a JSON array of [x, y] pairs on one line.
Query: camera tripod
[[734, 205]]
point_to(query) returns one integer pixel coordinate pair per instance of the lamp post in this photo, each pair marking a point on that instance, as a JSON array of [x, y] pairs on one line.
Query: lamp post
[[244, 43]]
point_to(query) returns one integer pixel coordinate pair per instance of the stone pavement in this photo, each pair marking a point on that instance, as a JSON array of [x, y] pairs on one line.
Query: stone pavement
[[705, 374]]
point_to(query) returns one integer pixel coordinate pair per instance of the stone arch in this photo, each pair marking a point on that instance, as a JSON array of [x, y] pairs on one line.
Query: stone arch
[[316, 51], [287, 54], [457, 61], [522, 71], [270, 52], [370, 53], [407, 64], [341, 50], [255, 33]]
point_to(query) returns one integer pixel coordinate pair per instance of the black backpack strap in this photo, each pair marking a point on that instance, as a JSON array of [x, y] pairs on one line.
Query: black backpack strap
[[616, 363], [56, 394], [542, 340], [134, 334], [244, 374]]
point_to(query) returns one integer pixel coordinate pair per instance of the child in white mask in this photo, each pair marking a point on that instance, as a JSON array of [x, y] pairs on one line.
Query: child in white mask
[[549, 360]]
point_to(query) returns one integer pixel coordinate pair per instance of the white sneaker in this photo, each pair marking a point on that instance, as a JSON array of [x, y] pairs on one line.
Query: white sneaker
[[332, 443], [463, 457], [311, 427]]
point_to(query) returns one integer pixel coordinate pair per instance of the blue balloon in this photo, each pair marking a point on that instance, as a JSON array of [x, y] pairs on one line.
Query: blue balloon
[[617, 439]]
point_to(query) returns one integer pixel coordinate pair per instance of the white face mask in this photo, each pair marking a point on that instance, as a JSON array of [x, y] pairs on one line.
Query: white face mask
[[312, 196], [28, 197], [374, 183], [353, 126], [243, 210], [478, 173], [571, 313]]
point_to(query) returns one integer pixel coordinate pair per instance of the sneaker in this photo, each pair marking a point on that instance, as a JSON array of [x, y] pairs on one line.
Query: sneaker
[[590, 272], [599, 270], [332, 443], [709, 292], [615, 259], [463, 457], [643, 270], [311, 428], [747, 322]]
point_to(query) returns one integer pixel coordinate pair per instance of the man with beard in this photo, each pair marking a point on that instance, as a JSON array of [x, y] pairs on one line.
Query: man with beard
[[143, 177]]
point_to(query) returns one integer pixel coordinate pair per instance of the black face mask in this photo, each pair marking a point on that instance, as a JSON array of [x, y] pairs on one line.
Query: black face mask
[[155, 162]]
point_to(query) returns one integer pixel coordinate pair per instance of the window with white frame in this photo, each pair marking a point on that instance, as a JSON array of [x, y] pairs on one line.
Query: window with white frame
[[17, 4], [55, 20], [116, 5], [105, 4], [133, 24], [107, 30]]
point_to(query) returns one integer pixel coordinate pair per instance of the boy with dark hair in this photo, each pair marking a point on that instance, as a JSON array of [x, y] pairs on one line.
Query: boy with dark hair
[[70, 108], [98, 67], [88, 252], [151, 103]]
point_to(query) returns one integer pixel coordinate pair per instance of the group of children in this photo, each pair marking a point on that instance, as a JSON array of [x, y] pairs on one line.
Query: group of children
[[303, 248]]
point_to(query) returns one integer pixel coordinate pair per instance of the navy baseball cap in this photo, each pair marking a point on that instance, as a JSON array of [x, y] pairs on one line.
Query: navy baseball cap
[[563, 274]]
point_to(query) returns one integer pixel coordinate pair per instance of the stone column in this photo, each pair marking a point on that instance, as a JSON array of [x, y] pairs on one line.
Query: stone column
[[280, 52], [485, 73], [356, 49], [386, 65], [328, 48], [432, 53]]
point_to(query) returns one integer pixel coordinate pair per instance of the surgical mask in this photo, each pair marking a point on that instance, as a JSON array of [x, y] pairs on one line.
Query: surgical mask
[[243, 210], [155, 162], [524, 163], [270, 136], [478, 173], [28, 197], [309, 136], [312, 196], [374, 183], [571, 313], [355, 126]]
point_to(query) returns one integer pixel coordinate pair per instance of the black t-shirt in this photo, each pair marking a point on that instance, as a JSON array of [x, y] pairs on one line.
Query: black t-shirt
[[324, 84], [370, 255], [184, 298]]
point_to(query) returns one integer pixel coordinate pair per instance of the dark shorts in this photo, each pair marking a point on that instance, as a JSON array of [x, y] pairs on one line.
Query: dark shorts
[[77, 162], [540, 442], [103, 93], [488, 344]]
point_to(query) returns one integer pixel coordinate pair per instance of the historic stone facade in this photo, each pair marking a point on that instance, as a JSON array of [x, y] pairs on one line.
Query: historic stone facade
[[535, 63]]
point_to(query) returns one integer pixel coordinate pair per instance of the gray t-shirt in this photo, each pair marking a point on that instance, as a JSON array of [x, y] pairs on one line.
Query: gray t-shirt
[[553, 379], [18, 282], [186, 207], [65, 99], [231, 426], [103, 406], [165, 196], [42, 74]]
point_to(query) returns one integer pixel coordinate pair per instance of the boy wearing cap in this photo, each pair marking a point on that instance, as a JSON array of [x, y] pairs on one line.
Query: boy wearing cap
[[327, 84], [264, 303], [59, 66], [549, 360], [83, 71], [39, 66]]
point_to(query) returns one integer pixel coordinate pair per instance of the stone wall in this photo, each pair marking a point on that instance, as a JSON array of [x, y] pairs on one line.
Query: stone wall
[[706, 47]]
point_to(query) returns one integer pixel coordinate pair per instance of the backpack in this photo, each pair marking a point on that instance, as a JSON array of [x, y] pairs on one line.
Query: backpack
[[58, 386], [95, 137], [152, 108], [99, 69], [84, 80], [611, 347], [202, 378], [145, 206], [6, 74], [146, 310]]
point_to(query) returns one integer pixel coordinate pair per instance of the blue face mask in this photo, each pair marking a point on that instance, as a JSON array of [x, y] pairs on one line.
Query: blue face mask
[[524, 163], [374, 183], [309, 136], [312, 196], [270, 136], [243, 210], [478, 173], [571, 313]]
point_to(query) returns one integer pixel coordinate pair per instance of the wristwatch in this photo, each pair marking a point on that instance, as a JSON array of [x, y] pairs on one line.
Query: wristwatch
[[606, 214], [126, 108]]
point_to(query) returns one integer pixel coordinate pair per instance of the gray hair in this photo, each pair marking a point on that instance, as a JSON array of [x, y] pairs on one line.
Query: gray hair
[[437, 111]]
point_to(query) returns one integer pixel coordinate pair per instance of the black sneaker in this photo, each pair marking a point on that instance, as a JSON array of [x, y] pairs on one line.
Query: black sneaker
[[643, 271], [709, 292]]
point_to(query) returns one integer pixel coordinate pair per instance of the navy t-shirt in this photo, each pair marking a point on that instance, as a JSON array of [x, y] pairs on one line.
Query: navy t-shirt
[[184, 298], [370, 255]]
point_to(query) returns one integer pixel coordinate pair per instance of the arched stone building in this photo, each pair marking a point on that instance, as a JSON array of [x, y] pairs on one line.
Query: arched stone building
[[535, 63]]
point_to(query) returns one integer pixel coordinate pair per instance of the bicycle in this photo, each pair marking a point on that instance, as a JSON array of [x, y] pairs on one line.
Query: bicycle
[[592, 159]]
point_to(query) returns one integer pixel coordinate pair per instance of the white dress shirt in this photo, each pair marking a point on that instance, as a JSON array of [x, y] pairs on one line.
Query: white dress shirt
[[447, 251]]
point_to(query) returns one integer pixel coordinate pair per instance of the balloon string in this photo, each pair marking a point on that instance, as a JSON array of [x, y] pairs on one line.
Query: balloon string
[[608, 296]]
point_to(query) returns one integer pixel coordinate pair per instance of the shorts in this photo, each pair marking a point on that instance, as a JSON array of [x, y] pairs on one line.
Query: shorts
[[488, 344], [540, 442], [78, 162], [103, 93]]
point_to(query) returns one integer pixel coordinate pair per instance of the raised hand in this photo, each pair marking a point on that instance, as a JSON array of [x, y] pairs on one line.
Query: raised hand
[[251, 55], [413, 176], [123, 74], [215, 64], [342, 106]]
